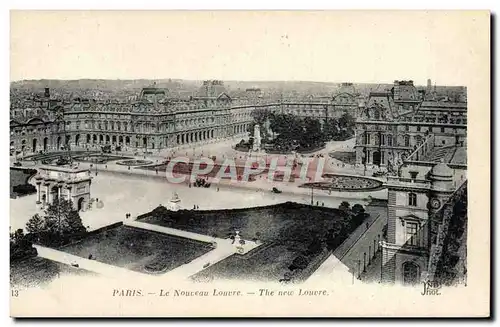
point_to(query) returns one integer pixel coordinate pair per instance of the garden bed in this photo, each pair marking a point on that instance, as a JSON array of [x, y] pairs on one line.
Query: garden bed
[[99, 158], [345, 183], [186, 169], [134, 162]]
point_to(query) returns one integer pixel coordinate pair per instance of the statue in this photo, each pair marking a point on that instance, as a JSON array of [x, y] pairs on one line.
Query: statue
[[173, 205]]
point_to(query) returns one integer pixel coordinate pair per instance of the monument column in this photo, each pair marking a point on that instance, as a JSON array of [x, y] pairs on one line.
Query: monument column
[[59, 192], [38, 192]]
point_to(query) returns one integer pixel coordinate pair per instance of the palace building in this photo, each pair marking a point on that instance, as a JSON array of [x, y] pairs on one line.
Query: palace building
[[153, 120], [427, 216], [423, 147], [392, 124]]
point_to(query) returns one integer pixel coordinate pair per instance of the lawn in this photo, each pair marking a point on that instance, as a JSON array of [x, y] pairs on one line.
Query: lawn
[[288, 222], [264, 266], [138, 249], [287, 230], [37, 271]]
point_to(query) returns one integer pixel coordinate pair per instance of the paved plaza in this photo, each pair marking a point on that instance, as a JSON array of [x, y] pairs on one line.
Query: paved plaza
[[137, 191]]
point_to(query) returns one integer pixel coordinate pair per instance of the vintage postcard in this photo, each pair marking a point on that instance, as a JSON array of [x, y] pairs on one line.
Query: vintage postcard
[[249, 164]]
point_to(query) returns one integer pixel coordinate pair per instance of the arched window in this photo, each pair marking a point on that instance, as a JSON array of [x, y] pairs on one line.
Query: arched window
[[411, 273]]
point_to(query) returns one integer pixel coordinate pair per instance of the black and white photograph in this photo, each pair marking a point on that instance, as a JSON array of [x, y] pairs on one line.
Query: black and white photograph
[[311, 157]]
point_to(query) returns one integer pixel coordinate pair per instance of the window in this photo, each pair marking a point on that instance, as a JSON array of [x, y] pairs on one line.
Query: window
[[382, 139], [410, 273], [411, 233], [418, 128], [413, 174], [412, 199], [442, 129], [367, 138], [407, 140], [389, 140], [407, 128]]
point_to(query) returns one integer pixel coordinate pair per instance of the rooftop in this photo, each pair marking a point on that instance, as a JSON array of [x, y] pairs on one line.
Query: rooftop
[[64, 169], [448, 155]]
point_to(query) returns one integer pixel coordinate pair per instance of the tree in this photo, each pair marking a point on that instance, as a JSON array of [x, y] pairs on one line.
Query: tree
[[346, 123], [35, 225], [62, 219], [357, 209], [299, 262], [20, 246], [344, 206], [74, 223], [330, 129]]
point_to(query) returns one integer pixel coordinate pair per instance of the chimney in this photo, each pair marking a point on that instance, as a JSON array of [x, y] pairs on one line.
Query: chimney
[[47, 92]]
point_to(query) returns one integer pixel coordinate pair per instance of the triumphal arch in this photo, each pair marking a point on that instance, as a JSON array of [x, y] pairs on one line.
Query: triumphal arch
[[54, 182]]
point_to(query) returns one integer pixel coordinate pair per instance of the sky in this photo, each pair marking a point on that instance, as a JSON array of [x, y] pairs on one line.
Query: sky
[[356, 46]]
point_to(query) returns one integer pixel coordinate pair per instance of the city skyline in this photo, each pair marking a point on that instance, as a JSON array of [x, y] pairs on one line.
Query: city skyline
[[239, 46]]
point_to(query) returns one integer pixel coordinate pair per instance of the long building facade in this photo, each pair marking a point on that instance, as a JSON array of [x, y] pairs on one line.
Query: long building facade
[[153, 121]]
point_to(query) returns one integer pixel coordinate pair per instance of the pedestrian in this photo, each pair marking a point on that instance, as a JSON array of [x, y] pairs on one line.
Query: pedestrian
[[106, 166], [217, 189]]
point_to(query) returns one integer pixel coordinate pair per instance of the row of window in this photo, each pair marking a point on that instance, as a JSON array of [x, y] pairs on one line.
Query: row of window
[[384, 139], [406, 128]]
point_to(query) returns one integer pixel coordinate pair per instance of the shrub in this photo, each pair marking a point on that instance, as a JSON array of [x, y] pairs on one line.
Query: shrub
[[300, 262]]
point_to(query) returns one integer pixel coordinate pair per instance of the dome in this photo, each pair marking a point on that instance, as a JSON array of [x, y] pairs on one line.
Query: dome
[[441, 170]]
